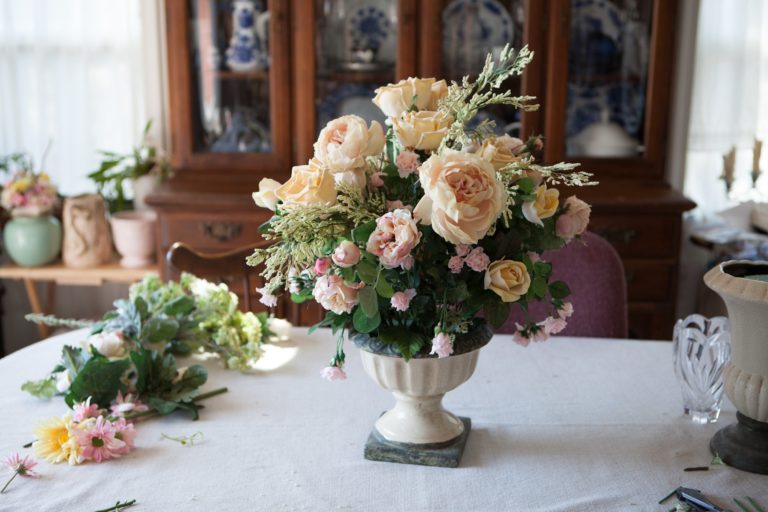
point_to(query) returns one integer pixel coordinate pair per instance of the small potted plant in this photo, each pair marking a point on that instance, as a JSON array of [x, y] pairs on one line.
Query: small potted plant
[[132, 230], [32, 236]]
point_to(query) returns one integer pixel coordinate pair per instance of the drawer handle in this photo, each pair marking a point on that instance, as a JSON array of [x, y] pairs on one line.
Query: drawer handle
[[617, 236], [221, 231]]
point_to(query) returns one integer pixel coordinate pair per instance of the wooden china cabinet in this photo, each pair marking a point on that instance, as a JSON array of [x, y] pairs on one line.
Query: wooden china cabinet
[[253, 81]]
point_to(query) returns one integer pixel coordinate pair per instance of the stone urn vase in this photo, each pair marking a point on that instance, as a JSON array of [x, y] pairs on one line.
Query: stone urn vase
[[418, 429], [743, 285]]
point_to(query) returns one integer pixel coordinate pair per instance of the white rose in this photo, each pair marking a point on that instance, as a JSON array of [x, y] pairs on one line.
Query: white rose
[[63, 381], [423, 93], [421, 130], [266, 197], [344, 143], [108, 344]]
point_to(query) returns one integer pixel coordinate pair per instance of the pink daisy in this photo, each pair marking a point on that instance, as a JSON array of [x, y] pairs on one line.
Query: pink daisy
[[85, 410], [127, 403], [124, 432], [20, 466], [99, 442]]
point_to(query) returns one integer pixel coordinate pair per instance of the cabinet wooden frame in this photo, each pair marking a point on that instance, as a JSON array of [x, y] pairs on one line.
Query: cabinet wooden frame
[[227, 168], [304, 17]]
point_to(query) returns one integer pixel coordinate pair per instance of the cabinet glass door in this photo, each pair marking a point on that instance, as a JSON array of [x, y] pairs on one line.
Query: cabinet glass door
[[608, 62], [356, 51], [230, 69], [471, 29]]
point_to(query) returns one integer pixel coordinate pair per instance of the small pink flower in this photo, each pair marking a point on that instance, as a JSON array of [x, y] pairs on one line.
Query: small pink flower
[[127, 403], [401, 301], [455, 264], [347, 254], [539, 335], [553, 325], [334, 294], [85, 410], [534, 257], [521, 339], [267, 298], [376, 180], [22, 465], [394, 238], [477, 260], [462, 250], [322, 265], [98, 440], [565, 311], [442, 345], [124, 432], [574, 220], [333, 373], [407, 163]]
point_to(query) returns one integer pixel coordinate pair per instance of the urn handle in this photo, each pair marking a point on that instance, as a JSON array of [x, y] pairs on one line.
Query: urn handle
[[221, 231]]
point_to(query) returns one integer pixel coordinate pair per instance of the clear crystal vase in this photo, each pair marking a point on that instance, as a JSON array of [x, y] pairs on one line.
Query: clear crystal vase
[[701, 348]]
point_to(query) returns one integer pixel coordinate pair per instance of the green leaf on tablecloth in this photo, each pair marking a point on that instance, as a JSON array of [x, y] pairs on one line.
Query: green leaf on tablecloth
[[363, 323], [99, 379], [43, 388]]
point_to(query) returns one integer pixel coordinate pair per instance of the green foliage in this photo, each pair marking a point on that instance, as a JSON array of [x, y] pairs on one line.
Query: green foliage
[[364, 323], [100, 379], [407, 341], [43, 388]]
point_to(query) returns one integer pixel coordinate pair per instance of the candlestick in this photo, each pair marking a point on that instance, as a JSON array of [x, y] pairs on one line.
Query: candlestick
[[729, 168], [757, 149]]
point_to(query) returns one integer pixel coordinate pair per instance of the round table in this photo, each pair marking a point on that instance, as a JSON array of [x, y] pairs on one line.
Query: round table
[[573, 424]]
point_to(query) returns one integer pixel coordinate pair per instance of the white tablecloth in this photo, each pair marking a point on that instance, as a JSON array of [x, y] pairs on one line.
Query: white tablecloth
[[567, 425]]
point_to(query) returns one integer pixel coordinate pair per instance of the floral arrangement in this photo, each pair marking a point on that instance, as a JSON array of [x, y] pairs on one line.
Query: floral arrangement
[[126, 368], [29, 194], [412, 234]]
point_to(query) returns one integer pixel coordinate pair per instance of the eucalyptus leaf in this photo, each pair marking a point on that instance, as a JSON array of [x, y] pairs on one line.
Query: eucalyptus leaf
[[43, 388]]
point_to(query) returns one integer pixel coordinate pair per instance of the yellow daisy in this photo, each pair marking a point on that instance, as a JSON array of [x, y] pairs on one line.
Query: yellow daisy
[[56, 441]]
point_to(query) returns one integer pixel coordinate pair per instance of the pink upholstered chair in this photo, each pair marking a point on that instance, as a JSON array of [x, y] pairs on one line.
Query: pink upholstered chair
[[595, 275]]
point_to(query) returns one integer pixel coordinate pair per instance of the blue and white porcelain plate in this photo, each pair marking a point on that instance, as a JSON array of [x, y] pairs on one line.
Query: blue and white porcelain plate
[[368, 28], [349, 99]]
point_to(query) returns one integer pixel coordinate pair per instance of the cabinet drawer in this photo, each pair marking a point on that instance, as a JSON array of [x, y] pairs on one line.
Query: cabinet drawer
[[640, 236], [649, 280], [210, 231]]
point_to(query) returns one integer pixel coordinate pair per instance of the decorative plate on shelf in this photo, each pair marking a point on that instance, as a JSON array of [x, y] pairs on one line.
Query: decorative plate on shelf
[[369, 34], [471, 29], [596, 38], [349, 99]]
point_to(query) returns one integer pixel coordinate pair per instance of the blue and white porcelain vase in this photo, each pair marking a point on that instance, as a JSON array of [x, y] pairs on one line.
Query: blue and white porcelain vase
[[247, 47]]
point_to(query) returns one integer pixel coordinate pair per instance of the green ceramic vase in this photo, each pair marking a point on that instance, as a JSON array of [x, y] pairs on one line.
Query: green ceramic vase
[[32, 241]]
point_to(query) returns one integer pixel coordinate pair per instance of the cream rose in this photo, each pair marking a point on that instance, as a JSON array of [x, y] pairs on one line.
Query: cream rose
[[421, 130], [308, 185], [344, 143], [574, 219], [543, 207], [462, 197], [333, 294], [266, 197], [508, 279], [394, 238], [423, 93], [501, 151], [108, 344]]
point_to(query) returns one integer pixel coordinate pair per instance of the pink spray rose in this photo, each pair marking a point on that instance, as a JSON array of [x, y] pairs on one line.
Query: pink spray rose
[[407, 163], [574, 219], [553, 325], [455, 264], [463, 249], [565, 311], [333, 373], [267, 298], [394, 238], [322, 265], [347, 254], [401, 301], [376, 180], [477, 260], [442, 345], [334, 294]]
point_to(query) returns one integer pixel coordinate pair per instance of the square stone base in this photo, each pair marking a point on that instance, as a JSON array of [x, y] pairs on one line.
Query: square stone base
[[446, 455]]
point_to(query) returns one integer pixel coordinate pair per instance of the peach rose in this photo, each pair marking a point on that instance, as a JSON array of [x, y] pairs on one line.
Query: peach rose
[[508, 279], [344, 143], [394, 238], [421, 130], [308, 185], [333, 294], [346, 254], [543, 207], [423, 93], [501, 151], [574, 219], [462, 197], [266, 197]]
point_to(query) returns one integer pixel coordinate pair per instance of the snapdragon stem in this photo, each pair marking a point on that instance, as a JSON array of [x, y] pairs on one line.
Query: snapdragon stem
[[201, 396], [118, 506], [8, 482]]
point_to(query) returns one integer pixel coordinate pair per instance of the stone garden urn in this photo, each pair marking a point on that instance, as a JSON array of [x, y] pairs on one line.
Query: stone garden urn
[[743, 285]]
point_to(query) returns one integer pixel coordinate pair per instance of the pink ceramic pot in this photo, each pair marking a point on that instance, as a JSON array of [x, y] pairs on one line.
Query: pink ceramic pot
[[134, 236]]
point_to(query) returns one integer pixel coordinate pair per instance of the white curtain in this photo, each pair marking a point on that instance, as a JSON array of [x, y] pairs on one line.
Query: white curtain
[[729, 105], [72, 72]]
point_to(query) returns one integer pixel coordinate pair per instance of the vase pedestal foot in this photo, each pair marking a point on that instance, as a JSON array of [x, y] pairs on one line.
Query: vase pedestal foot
[[446, 455], [743, 445]]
